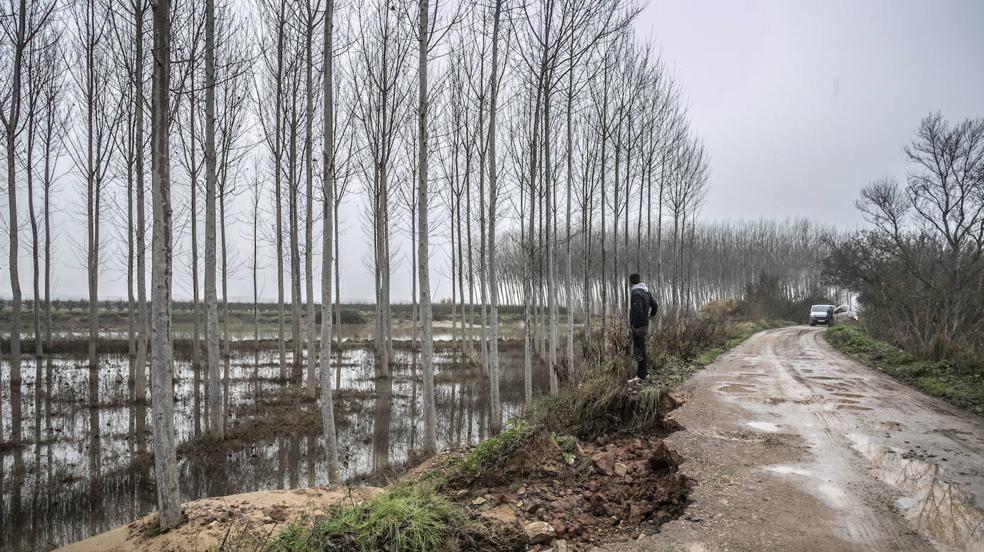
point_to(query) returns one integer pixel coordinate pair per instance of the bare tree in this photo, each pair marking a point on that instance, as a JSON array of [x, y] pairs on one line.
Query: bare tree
[[496, 403], [38, 77], [15, 28], [21, 26], [192, 43], [311, 13], [94, 149], [423, 244], [294, 169], [328, 194], [382, 55], [216, 413], [139, 9], [230, 77], [273, 14], [52, 139], [257, 196], [162, 403], [344, 155], [919, 267]]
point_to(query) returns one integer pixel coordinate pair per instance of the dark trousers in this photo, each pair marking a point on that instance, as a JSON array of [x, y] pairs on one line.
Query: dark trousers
[[639, 351]]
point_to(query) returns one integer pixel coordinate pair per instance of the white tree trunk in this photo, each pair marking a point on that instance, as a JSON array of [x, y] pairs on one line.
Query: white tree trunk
[[216, 416], [312, 333], [143, 322], [327, 408], [162, 381], [426, 338], [495, 403]]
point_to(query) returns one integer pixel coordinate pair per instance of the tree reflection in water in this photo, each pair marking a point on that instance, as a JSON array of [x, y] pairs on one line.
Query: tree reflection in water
[[86, 464]]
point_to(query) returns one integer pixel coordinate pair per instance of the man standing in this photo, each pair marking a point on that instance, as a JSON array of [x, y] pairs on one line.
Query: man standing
[[642, 307]]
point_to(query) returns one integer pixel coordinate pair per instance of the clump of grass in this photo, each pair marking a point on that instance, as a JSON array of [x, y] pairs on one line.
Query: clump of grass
[[408, 518], [589, 408], [963, 387], [568, 447], [602, 403], [490, 453], [648, 409]]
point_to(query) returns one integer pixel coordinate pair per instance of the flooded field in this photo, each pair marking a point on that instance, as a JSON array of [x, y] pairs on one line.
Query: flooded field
[[82, 464]]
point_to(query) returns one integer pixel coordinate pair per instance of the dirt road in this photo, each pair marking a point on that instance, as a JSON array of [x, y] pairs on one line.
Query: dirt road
[[795, 447]]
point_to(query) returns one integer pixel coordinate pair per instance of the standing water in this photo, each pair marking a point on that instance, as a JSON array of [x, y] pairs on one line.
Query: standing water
[[76, 459]]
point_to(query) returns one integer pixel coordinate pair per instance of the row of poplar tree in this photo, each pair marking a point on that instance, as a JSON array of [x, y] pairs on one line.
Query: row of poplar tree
[[546, 129]]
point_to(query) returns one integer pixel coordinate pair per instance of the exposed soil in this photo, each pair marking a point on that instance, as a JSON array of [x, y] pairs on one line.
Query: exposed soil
[[211, 521], [608, 489], [559, 492]]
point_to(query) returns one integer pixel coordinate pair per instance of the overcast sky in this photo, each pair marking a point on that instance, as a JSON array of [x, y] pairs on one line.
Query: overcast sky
[[802, 103], [799, 104]]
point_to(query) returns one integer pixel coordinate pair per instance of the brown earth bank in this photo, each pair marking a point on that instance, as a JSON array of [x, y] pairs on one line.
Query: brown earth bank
[[211, 522], [602, 490]]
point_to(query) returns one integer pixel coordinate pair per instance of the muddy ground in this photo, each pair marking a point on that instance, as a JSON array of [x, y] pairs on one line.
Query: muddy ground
[[794, 447], [605, 490]]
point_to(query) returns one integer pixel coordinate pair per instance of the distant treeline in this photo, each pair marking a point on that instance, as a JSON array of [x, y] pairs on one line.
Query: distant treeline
[[919, 264], [719, 260], [351, 312]]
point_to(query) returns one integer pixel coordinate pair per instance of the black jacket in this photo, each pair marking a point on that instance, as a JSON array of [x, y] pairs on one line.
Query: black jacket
[[642, 307]]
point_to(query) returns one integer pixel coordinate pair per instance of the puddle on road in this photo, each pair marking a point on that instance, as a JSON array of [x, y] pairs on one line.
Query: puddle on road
[[852, 407], [833, 495], [764, 426], [891, 426], [737, 388], [938, 509], [826, 491], [784, 469]]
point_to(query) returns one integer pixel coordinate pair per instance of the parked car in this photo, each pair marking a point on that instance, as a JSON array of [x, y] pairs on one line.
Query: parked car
[[844, 313], [822, 314]]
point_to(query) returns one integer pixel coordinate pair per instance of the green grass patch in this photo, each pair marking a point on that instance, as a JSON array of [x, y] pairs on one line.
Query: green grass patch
[[486, 455], [963, 387], [409, 517]]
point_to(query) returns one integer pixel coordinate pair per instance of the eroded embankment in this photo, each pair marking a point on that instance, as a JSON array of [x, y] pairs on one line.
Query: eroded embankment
[[562, 491]]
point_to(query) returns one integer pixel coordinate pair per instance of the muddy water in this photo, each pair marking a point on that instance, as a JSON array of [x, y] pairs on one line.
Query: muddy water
[[935, 506], [83, 463]]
